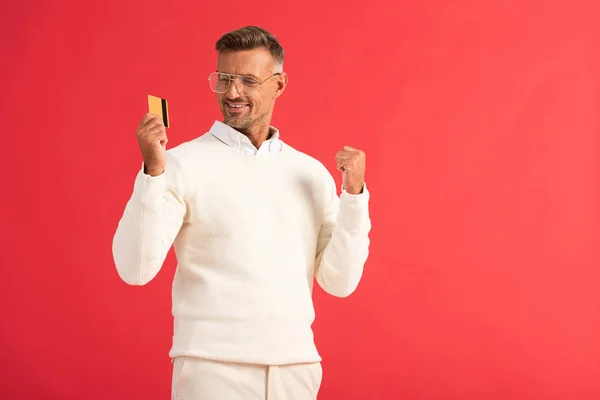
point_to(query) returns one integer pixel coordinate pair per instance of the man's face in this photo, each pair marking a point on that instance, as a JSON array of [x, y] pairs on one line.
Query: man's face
[[243, 106]]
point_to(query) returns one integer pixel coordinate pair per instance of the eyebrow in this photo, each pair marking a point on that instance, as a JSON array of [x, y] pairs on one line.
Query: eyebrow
[[249, 75]]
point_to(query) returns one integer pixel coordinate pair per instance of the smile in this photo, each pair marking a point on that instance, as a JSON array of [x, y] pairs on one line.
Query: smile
[[235, 106]]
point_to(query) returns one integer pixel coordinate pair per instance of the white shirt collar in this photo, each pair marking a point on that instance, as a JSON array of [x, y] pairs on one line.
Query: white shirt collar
[[239, 141]]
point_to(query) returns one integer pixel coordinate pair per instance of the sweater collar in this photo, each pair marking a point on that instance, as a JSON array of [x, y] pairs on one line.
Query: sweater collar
[[239, 141]]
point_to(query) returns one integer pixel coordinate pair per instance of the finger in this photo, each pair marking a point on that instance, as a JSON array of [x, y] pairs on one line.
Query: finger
[[345, 160], [152, 124], [347, 154], [351, 151], [343, 165], [147, 118], [151, 120], [158, 130], [156, 121]]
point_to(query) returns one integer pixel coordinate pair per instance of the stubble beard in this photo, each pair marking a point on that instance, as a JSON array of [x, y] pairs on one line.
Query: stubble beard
[[245, 122], [238, 122]]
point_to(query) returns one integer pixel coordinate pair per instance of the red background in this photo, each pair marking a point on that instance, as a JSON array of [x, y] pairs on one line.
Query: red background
[[480, 123]]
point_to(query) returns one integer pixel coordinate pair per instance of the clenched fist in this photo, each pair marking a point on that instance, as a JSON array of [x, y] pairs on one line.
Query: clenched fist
[[352, 163], [152, 139]]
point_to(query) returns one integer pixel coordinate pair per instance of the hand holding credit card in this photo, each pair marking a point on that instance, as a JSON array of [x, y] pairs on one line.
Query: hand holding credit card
[[152, 136]]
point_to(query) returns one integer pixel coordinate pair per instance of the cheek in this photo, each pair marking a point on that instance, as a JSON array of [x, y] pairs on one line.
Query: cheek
[[254, 101], [262, 102]]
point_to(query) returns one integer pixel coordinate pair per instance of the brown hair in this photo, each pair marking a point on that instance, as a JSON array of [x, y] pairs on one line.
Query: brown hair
[[250, 38]]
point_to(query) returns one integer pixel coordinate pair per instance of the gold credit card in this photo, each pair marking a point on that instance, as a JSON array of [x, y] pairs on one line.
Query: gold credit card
[[159, 106]]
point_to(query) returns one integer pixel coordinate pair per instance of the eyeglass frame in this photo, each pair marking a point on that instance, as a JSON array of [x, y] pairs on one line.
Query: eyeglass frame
[[233, 76]]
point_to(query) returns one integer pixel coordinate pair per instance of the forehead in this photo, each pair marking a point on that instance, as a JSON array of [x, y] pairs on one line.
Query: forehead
[[257, 62]]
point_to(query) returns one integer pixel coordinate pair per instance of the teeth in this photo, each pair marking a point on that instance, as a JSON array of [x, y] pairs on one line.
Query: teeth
[[235, 105]]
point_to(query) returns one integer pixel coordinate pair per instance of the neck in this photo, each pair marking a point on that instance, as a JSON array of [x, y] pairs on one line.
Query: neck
[[257, 134]]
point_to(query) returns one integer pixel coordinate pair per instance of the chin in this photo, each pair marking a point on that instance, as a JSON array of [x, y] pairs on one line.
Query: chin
[[237, 123]]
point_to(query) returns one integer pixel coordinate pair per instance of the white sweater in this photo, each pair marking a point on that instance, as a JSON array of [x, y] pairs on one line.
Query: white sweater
[[251, 229]]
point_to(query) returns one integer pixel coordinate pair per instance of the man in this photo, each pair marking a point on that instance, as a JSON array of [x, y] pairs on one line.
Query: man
[[253, 222]]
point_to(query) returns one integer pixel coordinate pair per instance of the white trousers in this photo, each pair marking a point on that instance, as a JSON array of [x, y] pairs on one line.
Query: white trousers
[[201, 379]]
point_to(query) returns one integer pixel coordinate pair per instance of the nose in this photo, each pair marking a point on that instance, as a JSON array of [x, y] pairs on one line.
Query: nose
[[233, 91]]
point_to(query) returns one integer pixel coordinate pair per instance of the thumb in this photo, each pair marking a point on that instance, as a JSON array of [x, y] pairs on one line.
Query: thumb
[[344, 173]]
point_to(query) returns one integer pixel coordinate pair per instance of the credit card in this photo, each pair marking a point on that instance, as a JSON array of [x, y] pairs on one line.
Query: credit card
[[159, 106]]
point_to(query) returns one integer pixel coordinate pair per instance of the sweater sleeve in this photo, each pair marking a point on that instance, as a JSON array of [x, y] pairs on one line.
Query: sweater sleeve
[[343, 243], [152, 219]]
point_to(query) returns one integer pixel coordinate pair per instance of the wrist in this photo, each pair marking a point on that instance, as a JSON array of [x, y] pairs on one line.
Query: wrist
[[153, 171], [355, 189]]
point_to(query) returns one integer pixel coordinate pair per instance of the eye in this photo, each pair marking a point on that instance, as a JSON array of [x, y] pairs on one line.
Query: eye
[[248, 81]]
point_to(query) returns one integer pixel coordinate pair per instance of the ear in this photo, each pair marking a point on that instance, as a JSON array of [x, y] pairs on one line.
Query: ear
[[280, 85]]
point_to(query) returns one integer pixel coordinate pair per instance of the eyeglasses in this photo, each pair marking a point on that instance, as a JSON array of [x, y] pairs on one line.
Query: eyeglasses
[[220, 82]]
